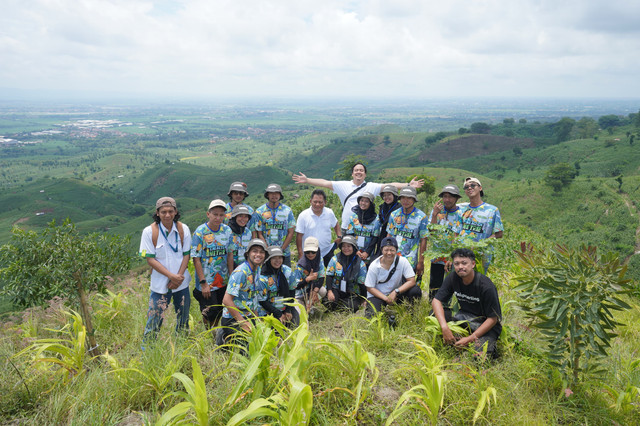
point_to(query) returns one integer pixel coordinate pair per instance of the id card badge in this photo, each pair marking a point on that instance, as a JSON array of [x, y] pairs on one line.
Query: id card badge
[[343, 286], [361, 242], [399, 240], [273, 233]]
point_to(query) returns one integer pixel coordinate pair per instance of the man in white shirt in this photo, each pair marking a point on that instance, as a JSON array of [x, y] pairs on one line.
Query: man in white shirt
[[317, 221], [390, 279], [348, 191], [166, 245]]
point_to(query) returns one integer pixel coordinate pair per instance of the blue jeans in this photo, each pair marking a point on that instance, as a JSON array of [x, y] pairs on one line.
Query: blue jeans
[[158, 304]]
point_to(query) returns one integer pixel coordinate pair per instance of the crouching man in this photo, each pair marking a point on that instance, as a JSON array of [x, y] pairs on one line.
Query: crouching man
[[478, 300]]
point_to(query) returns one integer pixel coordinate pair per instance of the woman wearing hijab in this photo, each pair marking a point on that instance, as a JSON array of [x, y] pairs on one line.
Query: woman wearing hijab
[[389, 195], [346, 275], [309, 274], [276, 285], [364, 225], [241, 237]]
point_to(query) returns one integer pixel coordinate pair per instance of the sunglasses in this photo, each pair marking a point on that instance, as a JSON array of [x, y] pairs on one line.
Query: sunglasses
[[309, 252], [470, 186]]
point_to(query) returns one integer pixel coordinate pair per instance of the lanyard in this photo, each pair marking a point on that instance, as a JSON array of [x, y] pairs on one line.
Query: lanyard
[[273, 212], [406, 215], [385, 219], [162, 229], [346, 271]]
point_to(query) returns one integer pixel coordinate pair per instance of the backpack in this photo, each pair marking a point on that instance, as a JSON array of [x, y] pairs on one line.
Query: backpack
[[155, 231]]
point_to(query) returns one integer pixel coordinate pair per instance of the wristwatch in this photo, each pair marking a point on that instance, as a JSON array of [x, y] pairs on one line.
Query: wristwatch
[[203, 281], [397, 292]]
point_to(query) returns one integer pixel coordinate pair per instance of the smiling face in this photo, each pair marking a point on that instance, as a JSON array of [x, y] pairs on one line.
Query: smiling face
[[256, 256], [364, 203], [310, 254], [347, 249], [317, 204], [449, 201], [387, 197], [276, 262], [407, 203], [389, 253], [242, 219], [358, 174], [166, 215]]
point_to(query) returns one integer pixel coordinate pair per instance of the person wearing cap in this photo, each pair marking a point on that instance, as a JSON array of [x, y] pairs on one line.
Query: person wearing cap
[[237, 194], [480, 220], [364, 224], [240, 300], [390, 279], [241, 234], [348, 191], [445, 213], [389, 195], [276, 224], [165, 246], [318, 221], [309, 274], [479, 304], [212, 253], [346, 274], [408, 225], [277, 287]]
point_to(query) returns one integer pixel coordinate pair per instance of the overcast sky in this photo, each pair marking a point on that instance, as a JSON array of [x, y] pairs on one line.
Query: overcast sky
[[323, 48]]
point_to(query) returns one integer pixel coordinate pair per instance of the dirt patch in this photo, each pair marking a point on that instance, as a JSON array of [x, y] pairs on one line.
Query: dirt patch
[[21, 220], [470, 146]]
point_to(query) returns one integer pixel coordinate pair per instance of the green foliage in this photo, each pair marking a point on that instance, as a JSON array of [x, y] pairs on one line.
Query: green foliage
[[563, 129], [195, 399], [559, 176], [442, 243], [58, 261], [344, 172], [571, 294], [479, 127], [429, 187]]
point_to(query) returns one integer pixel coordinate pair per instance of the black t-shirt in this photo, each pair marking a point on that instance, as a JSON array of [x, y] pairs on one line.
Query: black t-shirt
[[480, 298]]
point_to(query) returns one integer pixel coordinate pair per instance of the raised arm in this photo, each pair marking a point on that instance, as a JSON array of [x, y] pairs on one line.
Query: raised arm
[[416, 183], [302, 178]]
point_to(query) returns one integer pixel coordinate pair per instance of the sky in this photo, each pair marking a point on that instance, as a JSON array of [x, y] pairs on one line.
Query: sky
[[322, 48]]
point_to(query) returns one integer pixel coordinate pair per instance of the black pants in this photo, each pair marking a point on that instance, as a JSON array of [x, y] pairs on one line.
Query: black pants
[[472, 323], [436, 277], [211, 308], [348, 301], [326, 259], [376, 305]]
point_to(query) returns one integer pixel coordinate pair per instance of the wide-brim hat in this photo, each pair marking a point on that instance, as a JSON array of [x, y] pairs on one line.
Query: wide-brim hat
[[273, 187], [238, 187], [349, 239], [240, 209], [274, 251], [389, 188], [369, 196], [255, 242], [450, 189], [408, 191]]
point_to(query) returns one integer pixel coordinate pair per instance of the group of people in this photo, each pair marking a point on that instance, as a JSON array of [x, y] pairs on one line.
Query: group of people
[[242, 256]]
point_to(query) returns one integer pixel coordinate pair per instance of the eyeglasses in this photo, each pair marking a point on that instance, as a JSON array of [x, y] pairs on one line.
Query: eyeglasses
[[470, 186], [309, 252]]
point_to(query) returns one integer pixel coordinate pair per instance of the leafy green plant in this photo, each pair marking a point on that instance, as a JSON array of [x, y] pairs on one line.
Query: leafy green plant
[[69, 353], [289, 409], [432, 326], [484, 401], [428, 396], [442, 242], [571, 294], [112, 304], [195, 399]]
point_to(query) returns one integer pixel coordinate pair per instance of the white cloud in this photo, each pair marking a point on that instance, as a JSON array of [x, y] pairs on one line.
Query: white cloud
[[330, 48]]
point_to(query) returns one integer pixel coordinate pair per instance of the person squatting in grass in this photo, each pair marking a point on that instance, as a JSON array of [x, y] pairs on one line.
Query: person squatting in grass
[[446, 213], [276, 223], [478, 300], [390, 279], [240, 300], [346, 275], [364, 224], [241, 234], [408, 225], [212, 253], [277, 287], [348, 191], [309, 275], [389, 195], [165, 246]]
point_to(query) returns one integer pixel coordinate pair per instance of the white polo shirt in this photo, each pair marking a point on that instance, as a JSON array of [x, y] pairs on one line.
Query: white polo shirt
[[165, 254], [377, 273], [312, 225], [342, 188]]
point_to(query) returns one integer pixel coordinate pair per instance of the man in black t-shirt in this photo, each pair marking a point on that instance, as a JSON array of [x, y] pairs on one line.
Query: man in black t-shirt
[[478, 300]]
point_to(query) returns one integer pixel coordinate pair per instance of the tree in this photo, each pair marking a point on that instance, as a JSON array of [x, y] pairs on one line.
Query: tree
[[463, 130], [60, 262], [586, 128], [559, 176], [562, 129], [480, 127], [609, 121], [344, 172], [429, 187]]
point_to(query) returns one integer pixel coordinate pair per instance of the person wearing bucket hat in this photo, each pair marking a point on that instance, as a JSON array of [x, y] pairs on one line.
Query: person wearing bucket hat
[[348, 190], [275, 222], [318, 221], [212, 253], [480, 220], [346, 274], [241, 234], [389, 195], [277, 287], [165, 245], [408, 225], [364, 224], [448, 214], [309, 274], [390, 279], [240, 300], [237, 194]]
